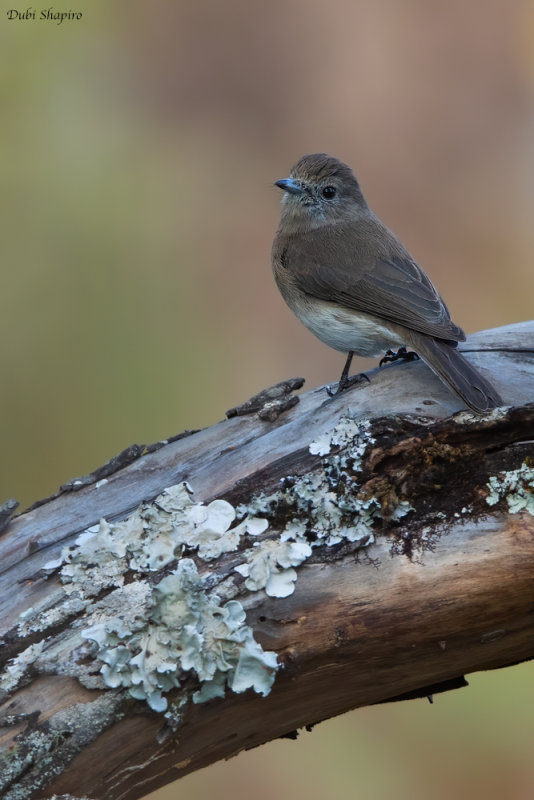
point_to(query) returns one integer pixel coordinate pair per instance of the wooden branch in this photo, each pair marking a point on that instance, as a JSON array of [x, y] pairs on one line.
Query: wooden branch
[[380, 543]]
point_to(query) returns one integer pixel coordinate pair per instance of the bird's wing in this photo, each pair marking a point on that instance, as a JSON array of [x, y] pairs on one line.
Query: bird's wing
[[392, 287]]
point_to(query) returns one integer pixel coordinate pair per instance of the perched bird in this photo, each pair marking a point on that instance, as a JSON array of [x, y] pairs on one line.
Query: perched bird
[[353, 284]]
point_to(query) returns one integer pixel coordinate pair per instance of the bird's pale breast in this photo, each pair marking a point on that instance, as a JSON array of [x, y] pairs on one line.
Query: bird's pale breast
[[343, 329]]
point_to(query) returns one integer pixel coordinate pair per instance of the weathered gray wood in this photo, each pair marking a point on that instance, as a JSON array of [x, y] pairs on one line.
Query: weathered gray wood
[[447, 593]]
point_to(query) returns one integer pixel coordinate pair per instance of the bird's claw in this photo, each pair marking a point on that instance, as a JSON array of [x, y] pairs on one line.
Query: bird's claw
[[401, 355], [346, 383]]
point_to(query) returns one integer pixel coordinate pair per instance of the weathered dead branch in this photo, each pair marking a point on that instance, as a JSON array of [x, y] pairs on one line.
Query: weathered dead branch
[[381, 544]]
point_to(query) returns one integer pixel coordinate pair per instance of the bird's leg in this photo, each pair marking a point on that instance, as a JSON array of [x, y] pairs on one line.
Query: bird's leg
[[345, 374], [345, 381], [401, 355]]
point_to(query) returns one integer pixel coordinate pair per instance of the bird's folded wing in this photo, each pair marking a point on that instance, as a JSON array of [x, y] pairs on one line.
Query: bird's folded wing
[[395, 289]]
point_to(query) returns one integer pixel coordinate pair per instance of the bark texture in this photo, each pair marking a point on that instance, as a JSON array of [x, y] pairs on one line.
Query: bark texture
[[346, 552]]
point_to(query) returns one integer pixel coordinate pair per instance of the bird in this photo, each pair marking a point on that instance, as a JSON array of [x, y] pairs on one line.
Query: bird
[[352, 283]]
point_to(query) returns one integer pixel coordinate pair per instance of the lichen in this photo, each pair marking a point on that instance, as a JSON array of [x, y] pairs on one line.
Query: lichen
[[143, 646], [348, 432], [17, 667], [324, 508], [516, 486], [468, 417], [270, 565], [184, 630], [151, 538], [152, 637]]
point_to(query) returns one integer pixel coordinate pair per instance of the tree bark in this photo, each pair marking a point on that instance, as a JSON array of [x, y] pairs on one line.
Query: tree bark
[[380, 543]]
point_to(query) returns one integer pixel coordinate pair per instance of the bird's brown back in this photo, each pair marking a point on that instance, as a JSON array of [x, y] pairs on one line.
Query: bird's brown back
[[361, 265]]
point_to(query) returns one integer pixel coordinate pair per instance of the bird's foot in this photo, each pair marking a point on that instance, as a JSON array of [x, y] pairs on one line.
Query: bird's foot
[[346, 383], [401, 355]]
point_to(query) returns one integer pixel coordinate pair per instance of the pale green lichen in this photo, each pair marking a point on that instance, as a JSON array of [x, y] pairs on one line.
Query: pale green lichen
[[149, 637], [151, 649], [331, 518], [350, 432], [327, 511], [183, 631], [516, 486], [270, 565], [151, 538], [17, 667]]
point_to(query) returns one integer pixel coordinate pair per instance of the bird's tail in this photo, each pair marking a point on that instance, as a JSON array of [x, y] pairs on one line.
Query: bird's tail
[[456, 372]]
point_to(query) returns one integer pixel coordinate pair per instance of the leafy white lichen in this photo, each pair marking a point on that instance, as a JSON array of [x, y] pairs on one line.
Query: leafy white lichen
[[151, 637], [516, 486], [184, 630], [348, 431], [327, 508], [176, 627], [270, 566], [151, 538], [17, 667]]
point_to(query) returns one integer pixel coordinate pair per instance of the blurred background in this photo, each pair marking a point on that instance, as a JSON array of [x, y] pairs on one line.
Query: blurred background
[[139, 148]]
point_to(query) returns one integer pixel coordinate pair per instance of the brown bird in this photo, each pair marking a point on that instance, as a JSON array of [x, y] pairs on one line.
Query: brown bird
[[353, 284]]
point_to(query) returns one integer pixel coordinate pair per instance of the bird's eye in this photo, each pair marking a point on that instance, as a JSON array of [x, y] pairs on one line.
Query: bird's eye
[[329, 192]]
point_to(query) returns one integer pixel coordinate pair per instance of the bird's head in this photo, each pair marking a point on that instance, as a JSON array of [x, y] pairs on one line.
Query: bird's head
[[320, 190]]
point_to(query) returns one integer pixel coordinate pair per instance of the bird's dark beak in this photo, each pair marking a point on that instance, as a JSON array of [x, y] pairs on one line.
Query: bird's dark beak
[[291, 185]]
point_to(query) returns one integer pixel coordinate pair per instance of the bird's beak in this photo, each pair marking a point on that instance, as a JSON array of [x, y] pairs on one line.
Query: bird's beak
[[291, 185]]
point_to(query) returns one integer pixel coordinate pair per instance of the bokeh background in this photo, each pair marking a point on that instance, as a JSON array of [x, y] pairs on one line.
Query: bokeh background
[[139, 146]]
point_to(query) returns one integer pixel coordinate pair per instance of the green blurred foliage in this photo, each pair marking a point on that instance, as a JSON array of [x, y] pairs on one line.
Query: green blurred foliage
[[139, 149]]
